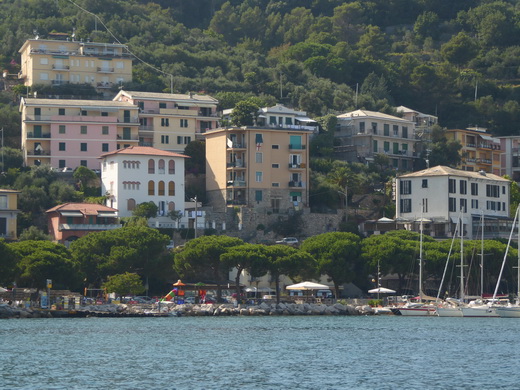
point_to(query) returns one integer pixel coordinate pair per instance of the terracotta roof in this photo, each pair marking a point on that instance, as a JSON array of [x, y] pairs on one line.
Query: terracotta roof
[[84, 208], [441, 170], [144, 150]]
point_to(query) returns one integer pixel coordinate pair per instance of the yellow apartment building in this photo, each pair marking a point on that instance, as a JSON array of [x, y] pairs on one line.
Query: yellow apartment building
[[260, 167], [69, 133], [171, 121], [8, 212], [480, 151], [64, 60]]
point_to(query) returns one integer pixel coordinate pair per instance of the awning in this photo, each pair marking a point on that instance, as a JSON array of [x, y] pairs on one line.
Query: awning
[[295, 194], [488, 138], [304, 119], [107, 214], [71, 214]]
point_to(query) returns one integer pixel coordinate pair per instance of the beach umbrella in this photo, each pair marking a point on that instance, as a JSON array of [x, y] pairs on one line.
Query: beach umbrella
[[381, 290], [307, 286]]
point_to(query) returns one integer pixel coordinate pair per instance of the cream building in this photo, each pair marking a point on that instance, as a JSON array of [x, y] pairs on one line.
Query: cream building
[[364, 134], [510, 157], [8, 212], [64, 60], [171, 121], [69, 133], [260, 167]]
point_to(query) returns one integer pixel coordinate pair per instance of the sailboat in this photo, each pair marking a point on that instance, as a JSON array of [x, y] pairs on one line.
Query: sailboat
[[511, 310], [417, 308], [453, 307]]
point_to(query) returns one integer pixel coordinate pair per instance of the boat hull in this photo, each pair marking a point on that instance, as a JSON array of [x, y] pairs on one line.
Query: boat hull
[[483, 311], [508, 312], [415, 311], [449, 312]]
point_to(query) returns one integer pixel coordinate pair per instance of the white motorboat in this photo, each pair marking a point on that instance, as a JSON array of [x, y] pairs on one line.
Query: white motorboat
[[479, 309], [415, 309]]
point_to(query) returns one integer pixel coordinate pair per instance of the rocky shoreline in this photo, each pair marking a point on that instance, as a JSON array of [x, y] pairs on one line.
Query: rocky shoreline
[[112, 310]]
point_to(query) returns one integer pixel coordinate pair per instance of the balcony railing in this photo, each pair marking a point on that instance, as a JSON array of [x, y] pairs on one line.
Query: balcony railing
[[296, 184], [38, 153], [236, 145], [42, 135], [297, 166], [127, 138], [59, 82], [236, 164], [105, 84], [146, 128], [133, 119], [297, 147], [236, 183], [145, 143], [105, 70], [61, 67]]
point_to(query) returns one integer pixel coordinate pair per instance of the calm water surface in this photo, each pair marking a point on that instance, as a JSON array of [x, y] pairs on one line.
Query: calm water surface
[[386, 352]]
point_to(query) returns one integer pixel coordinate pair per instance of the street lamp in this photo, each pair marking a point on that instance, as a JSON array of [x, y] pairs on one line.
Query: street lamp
[[194, 199]]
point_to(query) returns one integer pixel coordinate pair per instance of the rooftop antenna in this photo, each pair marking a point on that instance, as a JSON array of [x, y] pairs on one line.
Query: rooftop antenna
[[73, 33], [36, 36], [355, 101], [476, 89]]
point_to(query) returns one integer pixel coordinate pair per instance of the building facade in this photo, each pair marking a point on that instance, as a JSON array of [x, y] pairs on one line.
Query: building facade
[[70, 221], [69, 133], [510, 157], [441, 195], [8, 213], [364, 134], [260, 167], [142, 174], [479, 152], [63, 60], [171, 121]]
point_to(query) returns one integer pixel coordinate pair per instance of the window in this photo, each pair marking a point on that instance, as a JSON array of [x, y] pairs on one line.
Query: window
[[374, 127], [44, 76], [151, 188], [259, 177], [61, 129], [161, 166], [83, 130], [258, 195], [361, 127], [130, 204], [165, 122], [61, 164], [275, 184], [425, 183], [44, 61], [179, 140], [171, 188], [83, 146], [104, 147], [452, 186], [386, 130], [503, 190], [104, 130], [61, 111], [259, 139], [61, 146], [374, 146], [492, 191], [120, 64], [405, 132], [162, 105], [474, 203], [395, 148], [463, 187], [275, 165], [184, 123], [151, 166], [395, 129], [452, 204], [405, 187], [259, 158], [84, 113], [424, 205], [275, 147], [3, 201], [463, 205], [386, 147], [165, 139], [83, 163], [187, 140], [406, 205], [474, 189], [160, 191]]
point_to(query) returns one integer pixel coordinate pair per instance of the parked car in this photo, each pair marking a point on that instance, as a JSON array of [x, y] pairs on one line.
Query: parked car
[[288, 241]]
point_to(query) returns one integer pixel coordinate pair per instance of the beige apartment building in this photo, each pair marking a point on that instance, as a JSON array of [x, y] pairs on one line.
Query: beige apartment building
[[260, 167], [69, 133], [171, 121], [63, 60]]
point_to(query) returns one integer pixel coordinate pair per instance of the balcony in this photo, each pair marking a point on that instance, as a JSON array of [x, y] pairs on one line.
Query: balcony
[[64, 68], [127, 138], [236, 183], [105, 84], [105, 70], [37, 136], [145, 143], [297, 147], [236, 164], [146, 128], [132, 120], [59, 82], [98, 227], [297, 166], [32, 153], [236, 145], [296, 184]]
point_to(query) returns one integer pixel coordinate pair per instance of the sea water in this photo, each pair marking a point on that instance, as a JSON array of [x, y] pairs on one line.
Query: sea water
[[293, 352]]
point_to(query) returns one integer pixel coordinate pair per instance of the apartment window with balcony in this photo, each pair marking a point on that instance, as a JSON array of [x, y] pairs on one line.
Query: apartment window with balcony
[[61, 146], [452, 204], [104, 130], [452, 186], [386, 147], [374, 127], [83, 130], [463, 205], [395, 129], [386, 130], [165, 122], [406, 187], [259, 176], [404, 165], [61, 129], [61, 111], [405, 205], [184, 123], [259, 157], [83, 146], [395, 148], [104, 147], [361, 127], [140, 105], [165, 139], [404, 149], [162, 105], [405, 132]]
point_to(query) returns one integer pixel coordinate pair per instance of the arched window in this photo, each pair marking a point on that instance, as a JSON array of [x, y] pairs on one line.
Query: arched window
[[171, 167], [161, 188], [130, 204], [171, 188], [161, 166], [151, 188], [151, 166], [171, 206]]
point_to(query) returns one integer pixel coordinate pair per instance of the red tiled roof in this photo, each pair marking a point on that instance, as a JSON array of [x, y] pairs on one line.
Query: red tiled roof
[[85, 208], [144, 150]]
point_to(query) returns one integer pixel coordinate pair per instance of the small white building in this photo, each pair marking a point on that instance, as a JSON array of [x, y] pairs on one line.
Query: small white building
[[441, 195], [139, 174]]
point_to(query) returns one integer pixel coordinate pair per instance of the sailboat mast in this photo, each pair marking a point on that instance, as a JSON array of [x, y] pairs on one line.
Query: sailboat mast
[[482, 254], [420, 261], [518, 264], [461, 261]]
